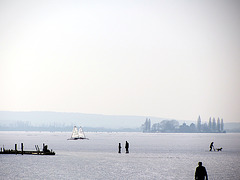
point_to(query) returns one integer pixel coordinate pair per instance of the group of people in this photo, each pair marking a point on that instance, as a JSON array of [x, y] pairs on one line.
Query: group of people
[[200, 173], [126, 147]]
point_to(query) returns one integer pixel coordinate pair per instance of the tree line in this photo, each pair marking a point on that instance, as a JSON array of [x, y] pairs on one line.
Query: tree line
[[172, 126]]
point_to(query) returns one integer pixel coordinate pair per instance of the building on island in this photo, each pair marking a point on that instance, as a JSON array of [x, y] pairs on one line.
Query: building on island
[[172, 126]]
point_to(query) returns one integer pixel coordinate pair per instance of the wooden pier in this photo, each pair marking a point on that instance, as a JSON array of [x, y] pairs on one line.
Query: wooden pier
[[45, 151]]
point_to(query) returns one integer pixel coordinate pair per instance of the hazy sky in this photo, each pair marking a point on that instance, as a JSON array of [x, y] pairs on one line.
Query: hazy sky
[[174, 59]]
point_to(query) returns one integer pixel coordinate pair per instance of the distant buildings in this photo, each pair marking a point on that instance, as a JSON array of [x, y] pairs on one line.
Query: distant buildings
[[172, 126]]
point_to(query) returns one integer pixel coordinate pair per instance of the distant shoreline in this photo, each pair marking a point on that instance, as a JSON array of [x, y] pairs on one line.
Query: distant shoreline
[[64, 122]]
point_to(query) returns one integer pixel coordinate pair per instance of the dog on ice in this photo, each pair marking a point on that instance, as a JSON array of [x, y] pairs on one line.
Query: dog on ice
[[219, 149]]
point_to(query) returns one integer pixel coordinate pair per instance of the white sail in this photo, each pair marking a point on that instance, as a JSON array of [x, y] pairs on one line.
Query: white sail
[[75, 134], [81, 133]]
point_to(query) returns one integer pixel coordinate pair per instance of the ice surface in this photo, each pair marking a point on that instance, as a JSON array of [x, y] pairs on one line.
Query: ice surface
[[152, 156]]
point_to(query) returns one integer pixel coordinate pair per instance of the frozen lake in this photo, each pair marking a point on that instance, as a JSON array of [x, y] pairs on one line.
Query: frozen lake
[[152, 156]]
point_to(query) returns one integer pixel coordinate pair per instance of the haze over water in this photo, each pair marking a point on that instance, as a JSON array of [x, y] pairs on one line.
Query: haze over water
[[170, 59]]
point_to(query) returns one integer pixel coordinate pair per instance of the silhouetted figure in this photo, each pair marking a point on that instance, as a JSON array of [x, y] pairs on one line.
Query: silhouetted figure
[[201, 172], [211, 146], [127, 147], [45, 148], [119, 148]]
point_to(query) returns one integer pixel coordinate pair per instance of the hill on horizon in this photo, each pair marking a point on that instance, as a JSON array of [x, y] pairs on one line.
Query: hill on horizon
[[47, 118]]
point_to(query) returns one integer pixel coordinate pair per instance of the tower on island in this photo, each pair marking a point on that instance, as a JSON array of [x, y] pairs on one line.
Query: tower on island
[[147, 125]]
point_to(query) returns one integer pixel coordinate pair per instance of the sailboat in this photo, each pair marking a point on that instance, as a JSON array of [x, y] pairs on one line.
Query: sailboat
[[77, 134]]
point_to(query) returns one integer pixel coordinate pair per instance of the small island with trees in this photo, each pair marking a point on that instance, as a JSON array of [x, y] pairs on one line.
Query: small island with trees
[[172, 126]]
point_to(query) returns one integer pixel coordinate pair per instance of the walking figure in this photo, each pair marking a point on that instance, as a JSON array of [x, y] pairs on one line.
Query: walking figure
[[119, 148], [127, 146], [201, 172], [211, 146]]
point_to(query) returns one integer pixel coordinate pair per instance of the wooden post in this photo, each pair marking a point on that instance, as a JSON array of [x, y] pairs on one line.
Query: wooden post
[[16, 148], [22, 148]]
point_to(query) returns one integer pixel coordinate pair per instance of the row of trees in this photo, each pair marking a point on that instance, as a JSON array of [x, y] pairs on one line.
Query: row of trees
[[163, 126], [212, 126], [173, 126]]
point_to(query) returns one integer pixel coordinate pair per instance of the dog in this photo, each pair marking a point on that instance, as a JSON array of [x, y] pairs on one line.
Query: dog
[[219, 149]]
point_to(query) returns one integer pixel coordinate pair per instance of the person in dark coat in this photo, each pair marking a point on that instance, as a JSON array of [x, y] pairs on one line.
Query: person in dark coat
[[119, 148], [211, 146], [201, 172], [127, 147]]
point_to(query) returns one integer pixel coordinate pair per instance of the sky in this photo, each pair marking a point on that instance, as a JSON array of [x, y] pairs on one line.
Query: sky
[[174, 59]]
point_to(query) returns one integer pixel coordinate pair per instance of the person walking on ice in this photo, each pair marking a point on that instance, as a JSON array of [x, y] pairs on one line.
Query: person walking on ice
[[211, 147], [201, 172], [119, 148], [127, 147]]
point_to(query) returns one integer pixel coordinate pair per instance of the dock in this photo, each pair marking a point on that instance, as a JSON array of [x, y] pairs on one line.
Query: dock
[[44, 151]]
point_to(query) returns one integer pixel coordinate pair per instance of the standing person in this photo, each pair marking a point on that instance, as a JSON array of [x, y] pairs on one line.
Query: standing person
[[119, 148], [127, 146], [211, 146], [201, 172]]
